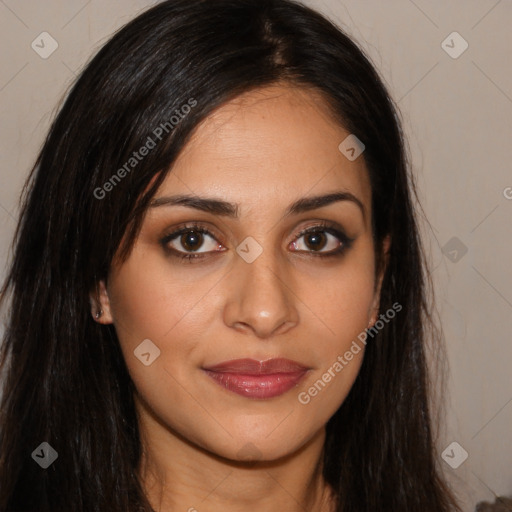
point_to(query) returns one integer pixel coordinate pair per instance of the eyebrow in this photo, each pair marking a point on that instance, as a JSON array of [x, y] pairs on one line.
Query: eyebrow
[[226, 209]]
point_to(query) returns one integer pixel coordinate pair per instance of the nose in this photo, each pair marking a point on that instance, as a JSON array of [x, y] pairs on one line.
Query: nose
[[261, 298]]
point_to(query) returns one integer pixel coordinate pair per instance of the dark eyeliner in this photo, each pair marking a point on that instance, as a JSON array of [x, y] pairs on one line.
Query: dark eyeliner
[[175, 234], [328, 227]]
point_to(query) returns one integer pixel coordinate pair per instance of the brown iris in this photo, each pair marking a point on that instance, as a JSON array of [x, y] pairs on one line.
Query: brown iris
[[315, 241], [192, 240]]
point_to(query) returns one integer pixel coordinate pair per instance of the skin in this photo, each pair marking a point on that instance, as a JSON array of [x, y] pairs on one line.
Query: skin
[[264, 150]]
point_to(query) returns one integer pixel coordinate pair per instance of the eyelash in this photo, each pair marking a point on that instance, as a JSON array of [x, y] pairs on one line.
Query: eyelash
[[322, 227]]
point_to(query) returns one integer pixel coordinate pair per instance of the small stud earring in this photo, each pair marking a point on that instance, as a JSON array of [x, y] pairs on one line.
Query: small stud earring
[[98, 314], [370, 323]]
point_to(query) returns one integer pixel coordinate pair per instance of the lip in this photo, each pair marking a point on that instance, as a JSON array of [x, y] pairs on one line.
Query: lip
[[257, 379], [254, 367]]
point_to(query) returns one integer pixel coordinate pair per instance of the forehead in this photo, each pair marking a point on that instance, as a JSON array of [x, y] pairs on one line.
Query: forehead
[[266, 148]]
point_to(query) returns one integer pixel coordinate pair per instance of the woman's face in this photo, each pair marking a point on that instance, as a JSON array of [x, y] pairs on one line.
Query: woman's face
[[259, 290]]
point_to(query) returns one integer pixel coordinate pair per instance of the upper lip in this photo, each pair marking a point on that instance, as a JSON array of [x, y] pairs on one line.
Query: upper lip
[[252, 366]]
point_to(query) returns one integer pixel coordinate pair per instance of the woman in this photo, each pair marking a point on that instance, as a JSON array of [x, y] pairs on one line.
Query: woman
[[218, 296]]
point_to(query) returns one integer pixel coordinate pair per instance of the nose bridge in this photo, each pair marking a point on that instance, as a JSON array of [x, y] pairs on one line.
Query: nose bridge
[[261, 297]]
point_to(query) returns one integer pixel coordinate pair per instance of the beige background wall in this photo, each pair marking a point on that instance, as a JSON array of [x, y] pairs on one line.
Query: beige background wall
[[457, 114]]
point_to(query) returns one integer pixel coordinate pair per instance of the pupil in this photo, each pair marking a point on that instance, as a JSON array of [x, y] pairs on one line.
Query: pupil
[[191, 240]]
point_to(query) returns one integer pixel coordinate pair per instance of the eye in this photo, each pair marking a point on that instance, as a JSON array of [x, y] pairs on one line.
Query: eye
[[186, 242], [320, 237]]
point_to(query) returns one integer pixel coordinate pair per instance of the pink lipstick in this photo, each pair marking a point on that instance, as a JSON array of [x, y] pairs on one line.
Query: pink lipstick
[[257, 379]]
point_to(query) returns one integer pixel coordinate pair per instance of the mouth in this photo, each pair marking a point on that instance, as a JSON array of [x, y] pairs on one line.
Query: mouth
[[257, 379]]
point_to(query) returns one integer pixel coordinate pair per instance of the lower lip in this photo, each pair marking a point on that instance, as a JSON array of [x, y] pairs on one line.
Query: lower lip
[[257, 386]]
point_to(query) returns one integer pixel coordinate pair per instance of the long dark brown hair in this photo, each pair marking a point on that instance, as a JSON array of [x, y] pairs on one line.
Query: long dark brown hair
[[65, 381]]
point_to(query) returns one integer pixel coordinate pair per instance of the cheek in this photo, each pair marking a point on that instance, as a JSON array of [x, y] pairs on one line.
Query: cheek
[[343, 305], [148, 300], [344, 300]]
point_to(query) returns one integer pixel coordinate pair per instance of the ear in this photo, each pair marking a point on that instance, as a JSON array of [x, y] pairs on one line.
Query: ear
[[100, 304], [374, 310]]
